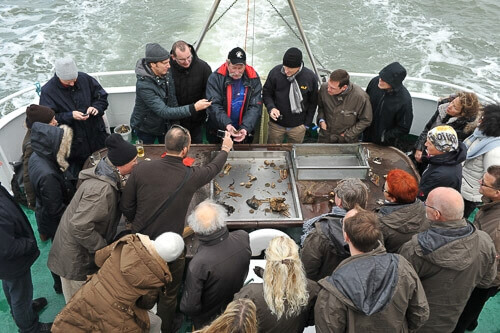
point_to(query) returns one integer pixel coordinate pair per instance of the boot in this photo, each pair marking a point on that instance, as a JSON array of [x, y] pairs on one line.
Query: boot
[[38, 304], [45, 327]]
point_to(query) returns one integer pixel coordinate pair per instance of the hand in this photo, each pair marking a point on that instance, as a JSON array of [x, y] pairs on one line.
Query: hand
[[232, 131], [78, 115], [202, 104], [259, 271], [418, 155], [323, 126], [274, 114], [92, 111], [242, 133], [227, 143]]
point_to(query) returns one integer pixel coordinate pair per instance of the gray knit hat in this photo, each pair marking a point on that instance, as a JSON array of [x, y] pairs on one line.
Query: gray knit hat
[[156, 53], [66, 68]]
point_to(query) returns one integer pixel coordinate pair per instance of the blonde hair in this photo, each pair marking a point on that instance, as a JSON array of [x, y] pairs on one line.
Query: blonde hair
[[240, 317], [285, 282]]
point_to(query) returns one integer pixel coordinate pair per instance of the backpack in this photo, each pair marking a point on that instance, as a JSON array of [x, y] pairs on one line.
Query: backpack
[[17, 183]]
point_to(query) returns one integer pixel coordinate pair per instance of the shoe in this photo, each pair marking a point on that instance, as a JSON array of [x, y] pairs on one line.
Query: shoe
[[58, 289], [45, 327], [472, 326], [38, 304]]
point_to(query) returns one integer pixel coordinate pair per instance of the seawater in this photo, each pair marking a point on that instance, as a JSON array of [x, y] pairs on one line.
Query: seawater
[[453, 41]]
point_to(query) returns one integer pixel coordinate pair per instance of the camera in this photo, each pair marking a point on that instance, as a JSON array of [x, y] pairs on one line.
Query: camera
[[221, 134]]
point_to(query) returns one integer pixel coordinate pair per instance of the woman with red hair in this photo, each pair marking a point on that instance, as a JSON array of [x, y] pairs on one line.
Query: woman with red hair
[[402, 214]]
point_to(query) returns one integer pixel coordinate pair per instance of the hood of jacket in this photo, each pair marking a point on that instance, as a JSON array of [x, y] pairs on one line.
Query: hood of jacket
[[142, 69], [449, 158], [332, 228], [103, 171], [178, 67], [394, 74], [392, 214], [367, 281], [446, 244], [52, 143]]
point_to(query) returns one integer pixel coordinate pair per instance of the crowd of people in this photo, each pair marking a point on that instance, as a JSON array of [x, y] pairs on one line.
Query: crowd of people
[[416, 263]]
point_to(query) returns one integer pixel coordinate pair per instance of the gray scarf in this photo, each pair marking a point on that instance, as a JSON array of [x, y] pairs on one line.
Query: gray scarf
[[295, 95]]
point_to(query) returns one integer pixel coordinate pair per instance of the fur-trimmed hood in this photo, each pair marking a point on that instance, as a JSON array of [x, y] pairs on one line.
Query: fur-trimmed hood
[[52, 143]]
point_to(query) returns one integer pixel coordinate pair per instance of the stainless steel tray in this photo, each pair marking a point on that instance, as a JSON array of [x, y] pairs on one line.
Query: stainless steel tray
[[245, 163], [329, 161]]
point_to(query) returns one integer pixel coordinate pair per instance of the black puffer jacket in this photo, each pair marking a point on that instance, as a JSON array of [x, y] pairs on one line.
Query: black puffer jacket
[[18, 248], [47, 170], [89, 135], [444, 170], [190, 85], [392, 110]]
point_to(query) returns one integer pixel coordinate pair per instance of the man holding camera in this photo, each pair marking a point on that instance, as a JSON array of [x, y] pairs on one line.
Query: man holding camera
[[291, 96], [235, 91]]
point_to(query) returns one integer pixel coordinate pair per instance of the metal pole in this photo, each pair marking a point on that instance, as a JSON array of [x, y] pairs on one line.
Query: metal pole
[[303, 36], [207, 24]]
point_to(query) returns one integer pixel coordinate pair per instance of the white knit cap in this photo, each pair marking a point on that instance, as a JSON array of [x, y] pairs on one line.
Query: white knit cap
[[169, 246], [66, 68]]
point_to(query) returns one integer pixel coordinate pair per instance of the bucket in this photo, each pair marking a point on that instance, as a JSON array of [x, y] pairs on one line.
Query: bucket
[[124, 131]]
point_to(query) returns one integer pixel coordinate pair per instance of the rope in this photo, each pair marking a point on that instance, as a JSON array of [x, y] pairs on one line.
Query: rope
[[246, 25], [253, 30], [223, 13]]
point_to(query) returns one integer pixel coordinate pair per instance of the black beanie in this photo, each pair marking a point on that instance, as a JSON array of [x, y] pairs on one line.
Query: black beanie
[[120, 152], [292, 58], [156, 53], [40, 113]]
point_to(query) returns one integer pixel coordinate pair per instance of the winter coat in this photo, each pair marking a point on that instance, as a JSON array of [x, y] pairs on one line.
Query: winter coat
[[267, 321], [216, 272], [451, 259], [219, 89], [324, 248], [444, 170], [190, 85], [475, 167], [18, 248], [88, 224], [462, 125], [88, 135], [488, 220], [275, 94], [399, 222], [155, 102], [392, 110], [27, 151], [371, 292], [48, 175], [151, 183], [130, 268], [348, 113]]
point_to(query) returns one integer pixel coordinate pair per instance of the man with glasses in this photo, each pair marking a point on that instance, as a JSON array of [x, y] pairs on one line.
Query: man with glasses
[[451, 258], [344, 109], [79, 101], [157, 197], [156, 105], [190, 75], [488, 220]]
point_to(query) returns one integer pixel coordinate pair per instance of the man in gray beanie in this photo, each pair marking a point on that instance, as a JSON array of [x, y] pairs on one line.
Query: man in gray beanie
[[91, 219], [79, 101], [156, 107], [291, 97]]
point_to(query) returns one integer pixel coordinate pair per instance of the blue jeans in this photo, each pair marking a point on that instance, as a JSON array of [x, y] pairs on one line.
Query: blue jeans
[[19, 295], [149, 138]]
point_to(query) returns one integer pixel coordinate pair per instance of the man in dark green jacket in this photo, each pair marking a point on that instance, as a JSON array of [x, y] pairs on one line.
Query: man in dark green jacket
[[155, 102]]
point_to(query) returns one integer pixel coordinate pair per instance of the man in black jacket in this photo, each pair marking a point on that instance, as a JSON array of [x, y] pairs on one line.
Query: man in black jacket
[[391, 105], [18, 251], [190, 75], [79, 101], [219, 267], [291, 97]]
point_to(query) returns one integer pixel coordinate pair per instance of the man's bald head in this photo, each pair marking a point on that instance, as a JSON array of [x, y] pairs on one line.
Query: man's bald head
[[176, 139], [448, 202], [207, 217]]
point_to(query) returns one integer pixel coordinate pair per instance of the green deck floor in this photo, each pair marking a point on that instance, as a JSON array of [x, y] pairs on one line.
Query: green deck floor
[[489, 321]]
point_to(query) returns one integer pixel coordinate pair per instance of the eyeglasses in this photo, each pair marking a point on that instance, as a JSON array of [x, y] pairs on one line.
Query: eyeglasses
[[184, 130], [426, 205], [481, 182], [185, 59], [384, 190]]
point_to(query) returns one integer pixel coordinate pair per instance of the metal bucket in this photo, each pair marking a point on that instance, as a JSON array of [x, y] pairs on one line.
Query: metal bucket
[[126, 135]]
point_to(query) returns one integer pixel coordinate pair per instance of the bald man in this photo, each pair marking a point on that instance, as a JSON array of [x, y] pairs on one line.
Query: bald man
[[218, 269], [451, 259]]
